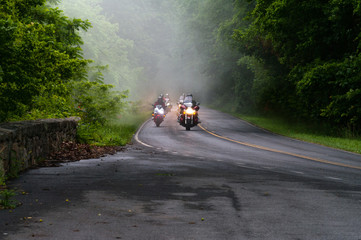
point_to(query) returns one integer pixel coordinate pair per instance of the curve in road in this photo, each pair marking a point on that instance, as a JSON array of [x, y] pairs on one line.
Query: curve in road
[[225, 138]]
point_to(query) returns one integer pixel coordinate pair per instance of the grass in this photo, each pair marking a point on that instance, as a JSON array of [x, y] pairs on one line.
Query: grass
[[305, 132], [6, 199], [118, 132]]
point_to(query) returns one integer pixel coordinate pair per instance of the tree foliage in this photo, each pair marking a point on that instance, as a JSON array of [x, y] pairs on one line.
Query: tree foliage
[[40, 54], [104, 45], [42, 71], [296, 58], [208, 32], [316, 45]]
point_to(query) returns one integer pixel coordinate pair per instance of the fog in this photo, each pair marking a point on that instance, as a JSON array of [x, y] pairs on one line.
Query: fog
[[145, 45]]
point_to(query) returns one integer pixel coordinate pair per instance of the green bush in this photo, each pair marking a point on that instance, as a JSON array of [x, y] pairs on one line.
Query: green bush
[[6, 199], [114, 132]]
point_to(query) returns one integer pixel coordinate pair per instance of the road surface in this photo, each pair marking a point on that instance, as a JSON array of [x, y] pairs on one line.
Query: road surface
[[225, 179]]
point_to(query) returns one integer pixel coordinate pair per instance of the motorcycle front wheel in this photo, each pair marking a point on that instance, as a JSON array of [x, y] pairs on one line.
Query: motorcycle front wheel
[[188, 124]]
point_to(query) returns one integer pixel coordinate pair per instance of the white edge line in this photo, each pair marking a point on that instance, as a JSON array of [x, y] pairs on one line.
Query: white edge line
[[334, 178], [137, 133]]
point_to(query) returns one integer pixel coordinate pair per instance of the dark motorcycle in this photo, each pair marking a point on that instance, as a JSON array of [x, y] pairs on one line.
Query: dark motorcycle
[[189, 115]]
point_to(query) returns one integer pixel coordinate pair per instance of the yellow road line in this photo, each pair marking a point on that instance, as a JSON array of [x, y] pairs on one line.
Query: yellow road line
[[279, 151]]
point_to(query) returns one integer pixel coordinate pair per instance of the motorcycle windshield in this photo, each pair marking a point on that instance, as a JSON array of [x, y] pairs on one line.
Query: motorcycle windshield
[[188, 104], [159, 110]]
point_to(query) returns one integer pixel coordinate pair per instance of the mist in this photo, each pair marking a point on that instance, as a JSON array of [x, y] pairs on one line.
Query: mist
[[144, 44]]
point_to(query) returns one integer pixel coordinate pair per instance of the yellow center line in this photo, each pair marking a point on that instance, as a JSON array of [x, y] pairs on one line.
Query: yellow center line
[[279, 151]]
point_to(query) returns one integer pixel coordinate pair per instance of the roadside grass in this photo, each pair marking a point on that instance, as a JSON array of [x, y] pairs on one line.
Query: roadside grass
[[305, 132], [118, 132], [7, 200]]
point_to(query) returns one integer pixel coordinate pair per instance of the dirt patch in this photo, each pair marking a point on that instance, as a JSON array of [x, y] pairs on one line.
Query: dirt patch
[[72, 151]]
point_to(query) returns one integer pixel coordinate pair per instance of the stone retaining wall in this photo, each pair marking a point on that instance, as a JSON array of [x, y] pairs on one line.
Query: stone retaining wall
[[25, 144]]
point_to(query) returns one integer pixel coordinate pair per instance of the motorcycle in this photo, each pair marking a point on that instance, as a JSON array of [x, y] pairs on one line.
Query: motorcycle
[[158, 115], [189, 115]]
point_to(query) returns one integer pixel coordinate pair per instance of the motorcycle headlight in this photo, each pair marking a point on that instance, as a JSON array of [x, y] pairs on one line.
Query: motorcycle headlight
[[190, 111]]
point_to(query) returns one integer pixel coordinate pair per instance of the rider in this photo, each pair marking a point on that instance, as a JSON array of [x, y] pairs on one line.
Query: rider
[[160, 101]]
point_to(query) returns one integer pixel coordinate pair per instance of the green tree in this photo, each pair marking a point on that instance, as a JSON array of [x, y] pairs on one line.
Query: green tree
[[40, 54], [104, 45], [311, 49], [208, 32]]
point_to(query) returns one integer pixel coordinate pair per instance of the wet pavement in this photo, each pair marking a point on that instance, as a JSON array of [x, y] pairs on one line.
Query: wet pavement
[[180, 189]]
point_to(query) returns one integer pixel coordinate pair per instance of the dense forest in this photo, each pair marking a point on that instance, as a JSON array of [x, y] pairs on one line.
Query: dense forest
[[297, 59], [88, 58]]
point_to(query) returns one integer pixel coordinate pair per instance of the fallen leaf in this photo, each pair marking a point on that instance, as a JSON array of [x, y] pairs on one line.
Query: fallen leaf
[[71, 151]]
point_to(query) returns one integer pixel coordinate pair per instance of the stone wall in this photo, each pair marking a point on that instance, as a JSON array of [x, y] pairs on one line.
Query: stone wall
[[25, 144]]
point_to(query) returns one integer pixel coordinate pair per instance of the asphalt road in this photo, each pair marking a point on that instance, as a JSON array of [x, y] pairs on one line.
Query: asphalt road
[[223, 180]]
